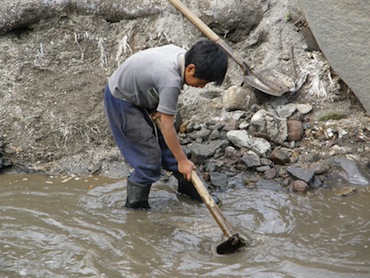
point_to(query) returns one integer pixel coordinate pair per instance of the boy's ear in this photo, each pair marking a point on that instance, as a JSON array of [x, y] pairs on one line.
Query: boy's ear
[[190, 69]]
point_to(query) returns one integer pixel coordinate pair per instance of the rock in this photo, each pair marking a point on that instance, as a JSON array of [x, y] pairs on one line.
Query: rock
[[304, 108], [345, 191], [279, 102], [269, 124], [235, 181], [216, 103], [219, 180], [316, 183], [201, 152], [251, 159], [237, 114], [230, 124], [300, 186], [355, 176], [212, 167], [265, 161], [215, 134], [301, 173], [241, 138], [244, 125], [295, 130], [263, 169], [269, 185], [203, 133], [4, 161], [280, 157], [238, 98], [270, 173], [320, 167], [297, 116], [285, 111], [231, 152], [230, 15]]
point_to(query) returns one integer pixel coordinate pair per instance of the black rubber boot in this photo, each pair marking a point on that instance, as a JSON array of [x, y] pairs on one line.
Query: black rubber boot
[[187, 188], [137, 195]]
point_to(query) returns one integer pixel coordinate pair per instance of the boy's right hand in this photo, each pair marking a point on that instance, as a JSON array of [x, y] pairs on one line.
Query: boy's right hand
[[186, 167]]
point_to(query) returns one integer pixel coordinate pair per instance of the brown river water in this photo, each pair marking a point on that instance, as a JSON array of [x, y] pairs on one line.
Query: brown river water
[[78, 227]]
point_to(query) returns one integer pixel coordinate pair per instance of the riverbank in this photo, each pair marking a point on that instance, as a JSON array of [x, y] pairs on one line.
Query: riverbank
[[53, 121]]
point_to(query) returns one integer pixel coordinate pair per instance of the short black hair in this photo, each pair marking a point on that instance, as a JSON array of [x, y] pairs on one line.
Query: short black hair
[[210, 61]]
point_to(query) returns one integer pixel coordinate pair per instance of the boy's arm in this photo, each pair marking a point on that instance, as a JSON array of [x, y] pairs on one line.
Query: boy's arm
[[170, 136]]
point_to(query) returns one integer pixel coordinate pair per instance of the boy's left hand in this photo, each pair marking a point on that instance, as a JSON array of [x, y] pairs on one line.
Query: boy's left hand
[[156, 116]]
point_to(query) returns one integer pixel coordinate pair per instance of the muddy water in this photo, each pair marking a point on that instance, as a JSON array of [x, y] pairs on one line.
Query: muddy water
[[61, 227]]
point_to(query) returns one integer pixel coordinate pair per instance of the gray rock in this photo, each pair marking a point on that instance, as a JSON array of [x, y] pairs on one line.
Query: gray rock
[[320, 167], [269, 185], [251, 159], [263, 169], [230, 15], [270, 173], [355, 176], [238, 98], [231, 152], [279, 102], [304, 108], [215, 134], [201, 152], [285, 111], [230, 124], [279, 156], [267, 123], [219, 180], [301, 173], [316, 183], [203, 133], [241, 138]]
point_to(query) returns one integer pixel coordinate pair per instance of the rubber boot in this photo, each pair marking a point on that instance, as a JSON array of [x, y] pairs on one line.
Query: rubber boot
[[187, 188], [137, 195]]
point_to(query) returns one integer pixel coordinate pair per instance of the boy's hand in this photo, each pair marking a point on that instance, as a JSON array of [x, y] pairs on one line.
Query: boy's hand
[[156, 116], [186, 167]]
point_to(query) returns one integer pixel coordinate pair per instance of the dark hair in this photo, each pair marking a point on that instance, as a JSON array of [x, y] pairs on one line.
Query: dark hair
[[209, 59]]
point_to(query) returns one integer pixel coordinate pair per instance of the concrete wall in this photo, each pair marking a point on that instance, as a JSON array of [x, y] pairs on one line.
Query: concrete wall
[[342, 30]]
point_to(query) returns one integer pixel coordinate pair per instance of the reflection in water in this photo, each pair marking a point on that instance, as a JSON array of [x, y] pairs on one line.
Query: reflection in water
[[54, 227]]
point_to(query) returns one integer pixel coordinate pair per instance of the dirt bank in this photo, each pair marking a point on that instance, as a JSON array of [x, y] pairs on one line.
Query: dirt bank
[[53, 74]]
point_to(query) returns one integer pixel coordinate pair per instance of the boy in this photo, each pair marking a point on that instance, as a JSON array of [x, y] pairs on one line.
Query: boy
[[145, 88]]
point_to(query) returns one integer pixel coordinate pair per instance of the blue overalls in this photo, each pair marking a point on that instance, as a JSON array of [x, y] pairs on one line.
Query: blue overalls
[[139, 140]]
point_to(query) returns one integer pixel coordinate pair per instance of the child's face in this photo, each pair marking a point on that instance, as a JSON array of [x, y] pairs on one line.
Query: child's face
[[190, 80]]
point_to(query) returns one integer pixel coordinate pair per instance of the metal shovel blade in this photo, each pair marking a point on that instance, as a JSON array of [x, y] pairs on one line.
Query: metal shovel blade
[[233, 244], [270, 82]]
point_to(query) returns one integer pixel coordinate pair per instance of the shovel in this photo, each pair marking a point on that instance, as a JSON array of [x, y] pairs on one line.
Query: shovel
[[267, 81], [234, 241]]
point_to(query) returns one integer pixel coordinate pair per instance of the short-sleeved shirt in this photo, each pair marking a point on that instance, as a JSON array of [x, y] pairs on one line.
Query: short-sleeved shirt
[[151, 78]]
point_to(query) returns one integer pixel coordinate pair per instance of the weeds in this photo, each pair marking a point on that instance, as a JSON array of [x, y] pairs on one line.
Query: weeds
[[123, 47], [86, 133]]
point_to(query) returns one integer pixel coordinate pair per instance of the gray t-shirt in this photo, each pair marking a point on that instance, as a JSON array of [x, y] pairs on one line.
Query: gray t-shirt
[[151, 78]]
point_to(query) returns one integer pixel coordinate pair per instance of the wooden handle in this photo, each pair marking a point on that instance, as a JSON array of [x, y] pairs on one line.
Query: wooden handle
[[208, 200], [212, 206], [210, 34]]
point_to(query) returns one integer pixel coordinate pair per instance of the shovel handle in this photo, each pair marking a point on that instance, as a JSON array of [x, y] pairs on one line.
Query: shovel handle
[[212, 206], [208, 32], [207, 199]]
